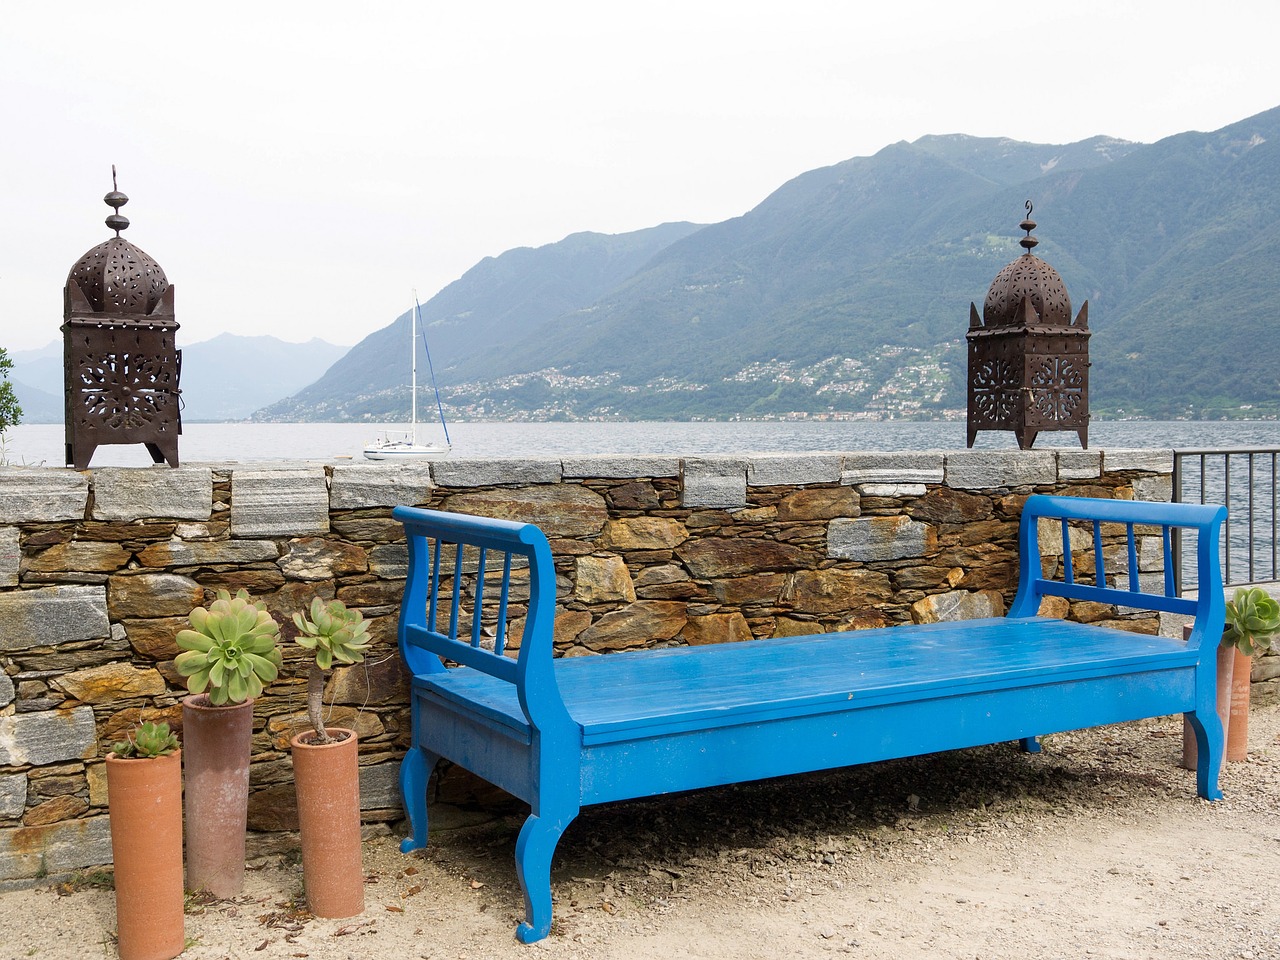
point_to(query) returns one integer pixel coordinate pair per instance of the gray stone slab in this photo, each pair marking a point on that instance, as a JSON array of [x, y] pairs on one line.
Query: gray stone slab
[[491, 472], [1158, 488], [138, 493], [892, 490], [793, 469], [986, 469], [357, 486], [279, 502], [7, 691], [10, 556], [50, 616], [879, 538], [926, 466], [28, 852], [198, 553], [389, 561], [29, 494], [13, 795], [1153, 461], [1079, 464], [47, 736], [620, 467], [716, 482], [380, 786]]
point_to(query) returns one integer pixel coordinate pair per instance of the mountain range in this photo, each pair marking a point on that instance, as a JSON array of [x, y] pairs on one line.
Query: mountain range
[[846, 292]]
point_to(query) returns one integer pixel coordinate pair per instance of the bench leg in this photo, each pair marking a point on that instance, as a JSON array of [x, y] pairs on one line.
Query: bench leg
[[415, 771], [534, 849], [1030, 745], [1209, 748]]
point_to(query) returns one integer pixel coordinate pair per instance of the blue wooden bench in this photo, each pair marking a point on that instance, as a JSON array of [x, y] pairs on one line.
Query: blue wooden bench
[[564, 733]]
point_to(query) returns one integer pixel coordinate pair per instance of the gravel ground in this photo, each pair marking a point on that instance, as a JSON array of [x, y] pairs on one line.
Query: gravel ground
[[1097, 847]]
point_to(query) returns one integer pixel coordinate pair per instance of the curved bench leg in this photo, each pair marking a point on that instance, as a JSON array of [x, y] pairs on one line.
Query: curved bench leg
[[1209, 750], [415, 771], [534, 849]]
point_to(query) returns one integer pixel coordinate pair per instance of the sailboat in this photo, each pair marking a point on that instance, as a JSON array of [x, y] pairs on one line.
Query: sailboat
[[405, 446]]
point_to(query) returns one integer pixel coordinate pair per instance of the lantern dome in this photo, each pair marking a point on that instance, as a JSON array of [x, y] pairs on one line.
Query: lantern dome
[[118, 277]]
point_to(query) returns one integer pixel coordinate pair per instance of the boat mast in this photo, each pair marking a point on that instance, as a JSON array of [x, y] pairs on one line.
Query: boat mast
[[413, 390]]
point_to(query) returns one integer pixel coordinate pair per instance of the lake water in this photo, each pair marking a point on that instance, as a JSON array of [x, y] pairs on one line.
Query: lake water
[[43, 444]]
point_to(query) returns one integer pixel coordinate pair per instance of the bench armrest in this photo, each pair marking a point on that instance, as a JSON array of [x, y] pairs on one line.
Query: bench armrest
[[1081, 515]]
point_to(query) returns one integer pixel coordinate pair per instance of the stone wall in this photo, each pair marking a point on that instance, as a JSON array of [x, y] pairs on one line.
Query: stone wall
[[98, 571]]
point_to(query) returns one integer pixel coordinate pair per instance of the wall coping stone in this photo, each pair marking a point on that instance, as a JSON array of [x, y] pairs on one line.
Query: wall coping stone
[[782, 469], [619, 467], [33, 494], [279, 501], [1155, 461], [490, 472], [925, 466], [358, 486], [718, 482], [1079, 464], [986, 469], [136, 493]]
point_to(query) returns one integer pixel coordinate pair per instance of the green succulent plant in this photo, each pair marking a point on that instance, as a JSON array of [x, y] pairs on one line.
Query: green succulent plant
[[148, 740], [1253, 620], [231, 649], [332, 633]]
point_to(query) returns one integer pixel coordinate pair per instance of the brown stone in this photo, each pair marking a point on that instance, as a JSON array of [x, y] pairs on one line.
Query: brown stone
[[55, 810], [601, 579], [257, 582], [1087, 611], [759, 588], [716, 628], [82, 557], [368, 529], [111, 681], [203, 553], [154, 639], [714, 557], [282, 727], [1151, 627], [147, 595], [1057, 607], [821, 503], [920, 578], [315, 558], [639, 624], [639, 495], [121, 725], [789, 627], [559, 509], [756, 515], [379, 679], [95, 530], [569, 626], [835, 589], [945, 505], [643, 533], [375, 593], [957, 605], [274, 808], [865, 620]]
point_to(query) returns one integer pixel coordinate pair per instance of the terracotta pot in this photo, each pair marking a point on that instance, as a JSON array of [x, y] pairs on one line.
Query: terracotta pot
[[328, 784], [1226, 661], [1238, 732], [144, 798], [217, 742]]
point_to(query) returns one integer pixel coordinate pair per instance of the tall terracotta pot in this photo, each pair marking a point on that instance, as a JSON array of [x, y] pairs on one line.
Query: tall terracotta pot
[[1238, 732], [217, 742], [144, 798], [1226, 662], [328, 785]]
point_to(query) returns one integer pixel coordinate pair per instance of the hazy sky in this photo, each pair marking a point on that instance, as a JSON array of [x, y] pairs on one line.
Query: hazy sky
[[298, 168]]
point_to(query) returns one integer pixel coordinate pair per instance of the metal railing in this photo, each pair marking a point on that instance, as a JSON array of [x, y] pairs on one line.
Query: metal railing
[[1245, 481]]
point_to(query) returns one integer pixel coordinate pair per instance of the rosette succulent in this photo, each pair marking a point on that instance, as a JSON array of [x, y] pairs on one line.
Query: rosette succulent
[[148, 740], [231, 649], [333, 634], [1253, 620]]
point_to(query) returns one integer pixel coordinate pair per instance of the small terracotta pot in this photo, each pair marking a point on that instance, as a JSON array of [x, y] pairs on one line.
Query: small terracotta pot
[[1238, 732], [217, 742], [328, 786], [144, 798], [1226, 661]]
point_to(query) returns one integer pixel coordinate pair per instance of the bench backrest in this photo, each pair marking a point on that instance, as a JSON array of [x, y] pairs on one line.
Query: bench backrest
[[459, 593], [1089, 517]]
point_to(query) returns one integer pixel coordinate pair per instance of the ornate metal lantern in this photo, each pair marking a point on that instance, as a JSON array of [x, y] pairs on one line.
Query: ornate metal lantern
[[1028, 360], [120, 364]]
